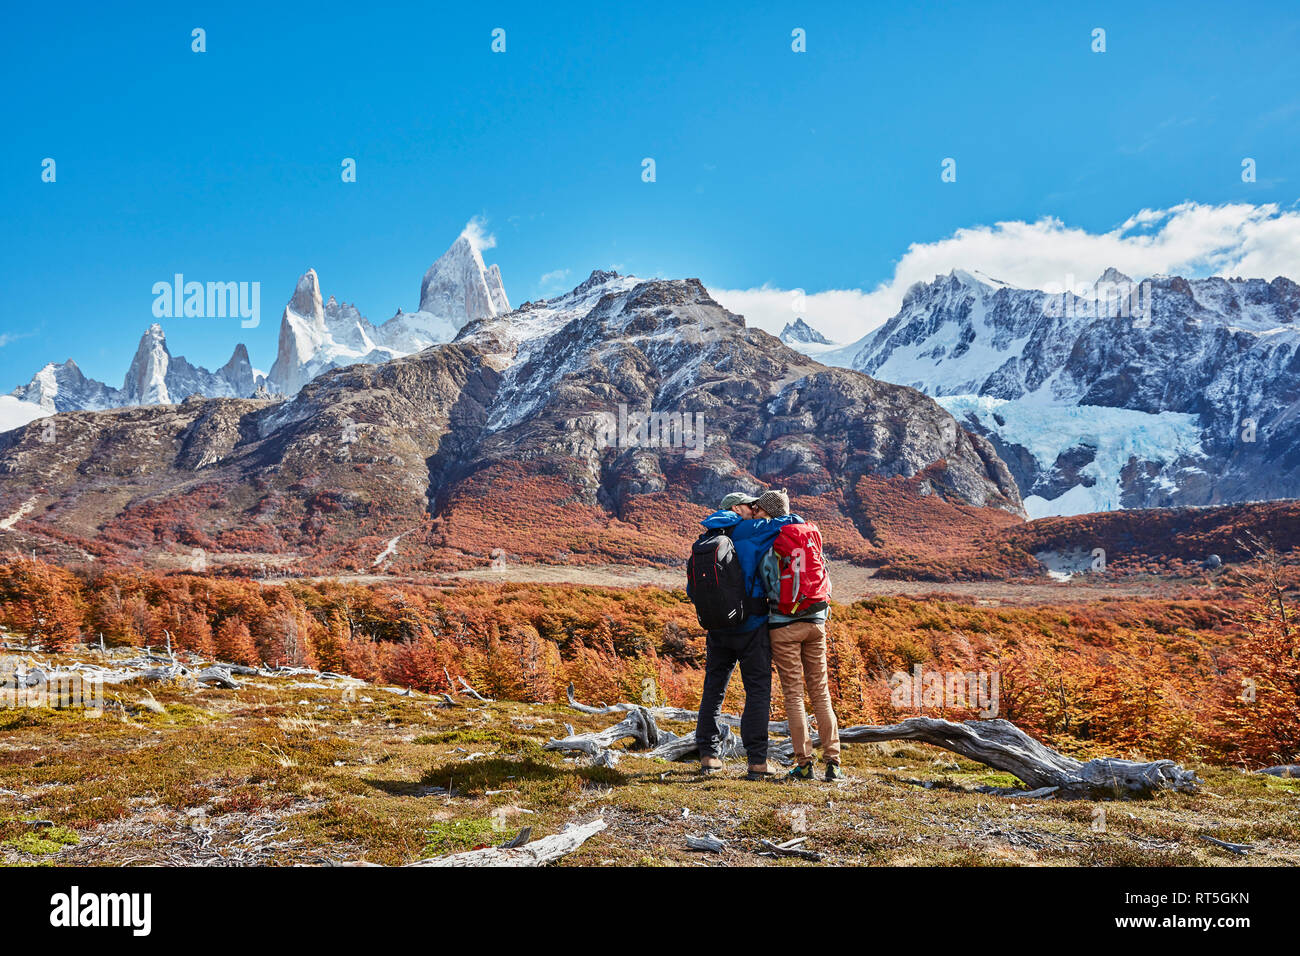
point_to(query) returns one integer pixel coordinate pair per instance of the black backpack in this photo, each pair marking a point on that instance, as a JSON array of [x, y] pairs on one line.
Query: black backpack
[[716, 582]]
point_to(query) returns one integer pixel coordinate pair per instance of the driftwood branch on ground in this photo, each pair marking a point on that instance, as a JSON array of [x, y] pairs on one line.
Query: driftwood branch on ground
[[537, 853], [1002, 745], [779, 727], [790, 848], [470, 691], [1241, 849], [996, 743], [217, 675], [1283, 770], [707, 843], [640, 727]]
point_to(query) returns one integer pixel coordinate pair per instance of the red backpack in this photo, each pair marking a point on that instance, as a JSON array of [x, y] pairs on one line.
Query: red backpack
[[805, 585]]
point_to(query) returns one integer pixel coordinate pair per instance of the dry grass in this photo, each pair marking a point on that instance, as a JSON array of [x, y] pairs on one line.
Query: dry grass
[[279, 773]]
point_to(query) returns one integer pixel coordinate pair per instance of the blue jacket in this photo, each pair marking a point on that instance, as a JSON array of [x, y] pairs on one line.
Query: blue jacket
[[752, 539]]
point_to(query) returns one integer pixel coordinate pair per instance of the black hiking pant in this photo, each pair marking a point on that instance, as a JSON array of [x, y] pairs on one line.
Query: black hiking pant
[[753, 652]]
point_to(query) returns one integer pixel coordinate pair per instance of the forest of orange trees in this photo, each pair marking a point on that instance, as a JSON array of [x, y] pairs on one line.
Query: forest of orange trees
[[1216, 679]]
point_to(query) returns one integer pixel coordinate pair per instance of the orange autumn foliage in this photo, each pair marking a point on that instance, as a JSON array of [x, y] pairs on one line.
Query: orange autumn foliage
[[1153, 677]]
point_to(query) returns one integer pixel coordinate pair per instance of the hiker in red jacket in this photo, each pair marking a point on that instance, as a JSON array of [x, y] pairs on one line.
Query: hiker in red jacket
[[798, 592]]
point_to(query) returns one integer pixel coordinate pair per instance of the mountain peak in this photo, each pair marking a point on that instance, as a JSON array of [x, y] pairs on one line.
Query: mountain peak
[[306, 299], [146, 379], [598, 277], [460, 287], [1113, 276], [801, 332]]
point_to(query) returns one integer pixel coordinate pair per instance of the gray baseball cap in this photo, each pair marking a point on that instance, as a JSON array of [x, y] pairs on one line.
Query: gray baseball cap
[[736, 498]]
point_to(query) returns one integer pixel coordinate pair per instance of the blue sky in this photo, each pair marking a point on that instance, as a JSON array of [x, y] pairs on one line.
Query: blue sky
[[775, 170]]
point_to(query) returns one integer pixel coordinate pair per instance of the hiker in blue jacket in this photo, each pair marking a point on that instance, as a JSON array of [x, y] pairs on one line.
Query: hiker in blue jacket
[[746, 644]]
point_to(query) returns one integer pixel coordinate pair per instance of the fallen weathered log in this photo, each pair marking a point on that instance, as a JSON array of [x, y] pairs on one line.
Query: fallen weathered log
[[537, 853], [170, 672], [588, 709], [638, 726], [995, 743], [1284, 770], [779, 727], [284, 670], [672, 747], [1241, 849], [1004, 746], [217, 675], [245, 671], [707, 843], [790, 848]]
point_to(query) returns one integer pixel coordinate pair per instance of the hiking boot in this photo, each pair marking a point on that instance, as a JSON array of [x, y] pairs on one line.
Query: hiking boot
[[710, 765], [801, 771], [833, 772], [758, 772]]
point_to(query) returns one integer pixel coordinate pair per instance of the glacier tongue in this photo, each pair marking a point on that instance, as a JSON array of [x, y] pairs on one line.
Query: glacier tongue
[[1110, 438]]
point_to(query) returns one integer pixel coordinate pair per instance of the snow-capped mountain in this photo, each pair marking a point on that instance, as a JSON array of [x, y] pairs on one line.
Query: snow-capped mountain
[[1166, 392], [801, 333], [155, 377], [61, 387], [316, 336], [802, 337]]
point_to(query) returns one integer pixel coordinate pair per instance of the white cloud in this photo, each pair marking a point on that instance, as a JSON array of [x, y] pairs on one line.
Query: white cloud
[[836, 313], [550, 280], [1190, 239], [476, 232]]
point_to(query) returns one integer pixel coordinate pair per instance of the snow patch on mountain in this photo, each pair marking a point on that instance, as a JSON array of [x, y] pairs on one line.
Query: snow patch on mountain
[[15, 413], [528, 334]]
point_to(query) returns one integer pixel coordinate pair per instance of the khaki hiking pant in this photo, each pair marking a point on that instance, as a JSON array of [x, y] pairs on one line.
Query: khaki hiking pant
[[799, 653]]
